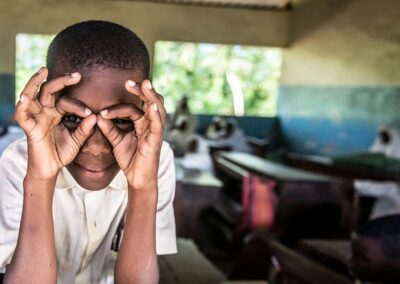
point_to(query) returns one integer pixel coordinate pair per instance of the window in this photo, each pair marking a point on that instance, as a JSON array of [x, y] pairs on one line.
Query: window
[[218, 79], [30, 56]]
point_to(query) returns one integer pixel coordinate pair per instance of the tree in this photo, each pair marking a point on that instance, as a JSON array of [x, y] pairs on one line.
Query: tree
[[200, 71], [30, 56]]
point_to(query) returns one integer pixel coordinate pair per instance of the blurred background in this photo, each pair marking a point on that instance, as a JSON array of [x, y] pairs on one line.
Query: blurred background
[[283, 116]]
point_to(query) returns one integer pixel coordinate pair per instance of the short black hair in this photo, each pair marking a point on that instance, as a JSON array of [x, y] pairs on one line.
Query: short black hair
[[98, 44]]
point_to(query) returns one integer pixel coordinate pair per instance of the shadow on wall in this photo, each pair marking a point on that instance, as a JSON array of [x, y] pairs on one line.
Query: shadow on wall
[[313, 14]]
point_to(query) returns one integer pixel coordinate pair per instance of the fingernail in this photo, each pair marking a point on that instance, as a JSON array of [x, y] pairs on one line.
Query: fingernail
[[22, 98], [104, 112], [155, 107], [148, 85], [40, 70], [88, 111], [131, 83], [74, 75]]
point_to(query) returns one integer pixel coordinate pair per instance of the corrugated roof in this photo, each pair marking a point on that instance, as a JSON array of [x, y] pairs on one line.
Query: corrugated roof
[[254, 4]]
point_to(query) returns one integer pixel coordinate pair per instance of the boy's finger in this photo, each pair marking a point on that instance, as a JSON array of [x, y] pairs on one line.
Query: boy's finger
[[122, 111], [22, 115], [135, 89], [31, 107], [110, 131], [150, 96], [69, 105], [34, 83], [47, 91], [84, 130], [156, 133]]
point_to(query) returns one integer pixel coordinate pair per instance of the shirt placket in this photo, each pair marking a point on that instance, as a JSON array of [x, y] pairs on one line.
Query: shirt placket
[[91, 204]]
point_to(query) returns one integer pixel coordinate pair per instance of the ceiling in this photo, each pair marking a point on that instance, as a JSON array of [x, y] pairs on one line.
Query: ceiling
[[252, 4]]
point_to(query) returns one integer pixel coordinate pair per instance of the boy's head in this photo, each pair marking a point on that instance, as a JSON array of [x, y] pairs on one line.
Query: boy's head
[[97, 44], [376, 250], [106, 55]]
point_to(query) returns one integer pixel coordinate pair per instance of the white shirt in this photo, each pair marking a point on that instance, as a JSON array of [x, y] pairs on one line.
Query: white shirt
[[85, 222], [13, 133], [387, 193]]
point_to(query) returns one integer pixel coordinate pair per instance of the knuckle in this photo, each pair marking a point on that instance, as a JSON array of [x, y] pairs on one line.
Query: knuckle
[[75, 137], [159, 129], [79, 132], [42, 88], [17, 117], [61, 103], [110, 132], [62, 100]]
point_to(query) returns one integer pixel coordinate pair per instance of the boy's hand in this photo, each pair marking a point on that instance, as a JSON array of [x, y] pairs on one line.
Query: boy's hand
[[137, 151], [50, 145]]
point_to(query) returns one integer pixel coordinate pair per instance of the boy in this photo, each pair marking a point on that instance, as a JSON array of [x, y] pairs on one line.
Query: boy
[[93, 163]]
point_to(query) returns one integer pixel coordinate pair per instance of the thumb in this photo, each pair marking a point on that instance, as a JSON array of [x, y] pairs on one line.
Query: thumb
[[84, 130], [110, 131]]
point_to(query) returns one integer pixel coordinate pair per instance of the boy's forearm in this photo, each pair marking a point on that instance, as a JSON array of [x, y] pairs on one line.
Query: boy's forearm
[[137, 258], [34, 259]]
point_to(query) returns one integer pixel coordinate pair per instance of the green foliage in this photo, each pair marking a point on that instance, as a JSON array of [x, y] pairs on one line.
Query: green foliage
[[30, 56], [200, 71], [196, 70]]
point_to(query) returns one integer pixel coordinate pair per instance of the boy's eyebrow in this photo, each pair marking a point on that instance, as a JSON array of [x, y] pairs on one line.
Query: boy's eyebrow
[[136, 109]]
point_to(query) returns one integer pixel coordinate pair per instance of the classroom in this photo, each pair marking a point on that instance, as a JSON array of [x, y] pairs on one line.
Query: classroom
[[320, 165]]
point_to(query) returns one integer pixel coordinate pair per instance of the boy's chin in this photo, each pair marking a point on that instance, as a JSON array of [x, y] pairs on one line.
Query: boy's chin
[[92, 181], [93, 185]]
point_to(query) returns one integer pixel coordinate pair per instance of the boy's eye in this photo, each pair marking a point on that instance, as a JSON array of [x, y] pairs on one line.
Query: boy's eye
[[71, 121], [72, 118], [125, 125]]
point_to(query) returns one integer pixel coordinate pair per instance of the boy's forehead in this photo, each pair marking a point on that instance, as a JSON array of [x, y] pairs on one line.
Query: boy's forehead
[[102, 88]]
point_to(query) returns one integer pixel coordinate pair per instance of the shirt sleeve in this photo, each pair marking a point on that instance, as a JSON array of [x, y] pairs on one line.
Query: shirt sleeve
[[165, 219], [13, 164]]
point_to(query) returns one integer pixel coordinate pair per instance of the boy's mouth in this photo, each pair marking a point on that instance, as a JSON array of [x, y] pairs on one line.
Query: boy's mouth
[[93, 170]]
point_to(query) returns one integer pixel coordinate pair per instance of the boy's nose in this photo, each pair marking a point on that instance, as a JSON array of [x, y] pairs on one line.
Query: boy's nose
[[97, 144]]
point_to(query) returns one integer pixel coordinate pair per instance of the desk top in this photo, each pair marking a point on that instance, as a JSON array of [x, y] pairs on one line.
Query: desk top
[[342, 167], [273, 170], [197, 178]]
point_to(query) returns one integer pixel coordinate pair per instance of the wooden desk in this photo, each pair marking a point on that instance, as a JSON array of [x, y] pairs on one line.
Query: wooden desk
[[272, 170], [195, 191], [298, 268], [309, 205], [334, 254], [327, 166]]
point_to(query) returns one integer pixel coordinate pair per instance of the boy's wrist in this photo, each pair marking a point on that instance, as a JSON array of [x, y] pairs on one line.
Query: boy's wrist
[[32, 182], [44, 174], [149, 194]]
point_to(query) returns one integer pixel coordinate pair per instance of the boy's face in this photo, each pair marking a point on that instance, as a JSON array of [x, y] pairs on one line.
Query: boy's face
[[95, 165]]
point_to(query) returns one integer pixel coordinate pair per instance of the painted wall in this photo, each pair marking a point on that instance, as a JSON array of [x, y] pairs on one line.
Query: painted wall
[[254, 126], [151, 21], [341, 75]]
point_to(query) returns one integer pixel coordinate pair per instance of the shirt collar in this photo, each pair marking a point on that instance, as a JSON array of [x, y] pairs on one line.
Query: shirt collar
[[65, 180]]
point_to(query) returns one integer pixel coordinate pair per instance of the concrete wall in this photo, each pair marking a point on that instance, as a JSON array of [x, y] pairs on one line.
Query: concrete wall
[[151, 21], [341, 75]]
